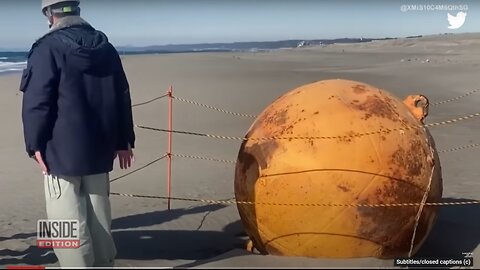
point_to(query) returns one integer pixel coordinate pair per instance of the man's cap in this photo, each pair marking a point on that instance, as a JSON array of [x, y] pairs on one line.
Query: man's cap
[[69, 5]]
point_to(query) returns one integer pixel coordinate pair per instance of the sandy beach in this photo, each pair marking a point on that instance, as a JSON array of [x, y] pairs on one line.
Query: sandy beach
[[198, 235]]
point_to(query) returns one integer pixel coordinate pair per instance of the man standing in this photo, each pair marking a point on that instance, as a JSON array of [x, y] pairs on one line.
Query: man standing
[[77, 118]]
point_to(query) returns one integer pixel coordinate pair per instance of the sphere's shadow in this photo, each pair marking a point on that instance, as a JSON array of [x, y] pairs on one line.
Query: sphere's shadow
[[455, 232]]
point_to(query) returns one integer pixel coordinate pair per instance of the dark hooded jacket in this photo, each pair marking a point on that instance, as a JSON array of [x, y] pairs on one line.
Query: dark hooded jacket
[[76, 103]]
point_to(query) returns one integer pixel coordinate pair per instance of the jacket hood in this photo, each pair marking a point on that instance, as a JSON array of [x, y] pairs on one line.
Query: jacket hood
[[88, 49], [90, 52]]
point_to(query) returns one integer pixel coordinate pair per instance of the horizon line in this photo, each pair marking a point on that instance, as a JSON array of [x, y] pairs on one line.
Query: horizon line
[[26, 49]]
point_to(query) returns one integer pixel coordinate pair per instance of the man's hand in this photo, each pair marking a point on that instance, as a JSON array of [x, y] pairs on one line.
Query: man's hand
[[38, 157], [125, 158]]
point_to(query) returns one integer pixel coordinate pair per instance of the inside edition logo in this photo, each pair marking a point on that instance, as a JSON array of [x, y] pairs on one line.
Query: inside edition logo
[[58, 234]]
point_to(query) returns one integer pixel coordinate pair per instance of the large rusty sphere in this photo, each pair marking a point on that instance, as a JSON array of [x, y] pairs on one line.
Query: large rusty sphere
[[354, 164]]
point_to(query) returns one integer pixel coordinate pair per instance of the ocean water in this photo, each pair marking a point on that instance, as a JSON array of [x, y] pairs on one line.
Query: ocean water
[[12, 62]]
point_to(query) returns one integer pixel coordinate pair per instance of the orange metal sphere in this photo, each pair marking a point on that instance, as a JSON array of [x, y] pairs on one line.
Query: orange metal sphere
[[354, 167]]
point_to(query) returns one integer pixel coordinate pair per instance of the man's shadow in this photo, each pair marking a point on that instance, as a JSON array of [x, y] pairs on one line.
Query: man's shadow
[[457, 230], [31, 256], [193, 244], [140, 244], [178, 244]]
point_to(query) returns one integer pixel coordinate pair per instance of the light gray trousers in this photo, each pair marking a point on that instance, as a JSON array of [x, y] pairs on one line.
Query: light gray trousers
[[85, 199]]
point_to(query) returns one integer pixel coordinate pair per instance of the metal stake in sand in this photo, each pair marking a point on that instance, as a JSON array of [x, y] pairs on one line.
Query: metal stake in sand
[[169, 153]]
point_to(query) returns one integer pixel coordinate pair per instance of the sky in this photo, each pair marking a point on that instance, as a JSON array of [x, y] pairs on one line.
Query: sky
[[159, 22]]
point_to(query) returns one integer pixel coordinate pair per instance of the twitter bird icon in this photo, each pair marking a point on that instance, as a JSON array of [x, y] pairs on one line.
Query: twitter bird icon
[[456, 21]]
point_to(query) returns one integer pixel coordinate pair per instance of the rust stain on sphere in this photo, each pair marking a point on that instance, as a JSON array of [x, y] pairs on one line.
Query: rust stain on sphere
[[383, 168]]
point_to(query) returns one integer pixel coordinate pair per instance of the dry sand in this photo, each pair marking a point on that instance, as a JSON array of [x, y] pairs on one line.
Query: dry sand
[[440, 67]]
